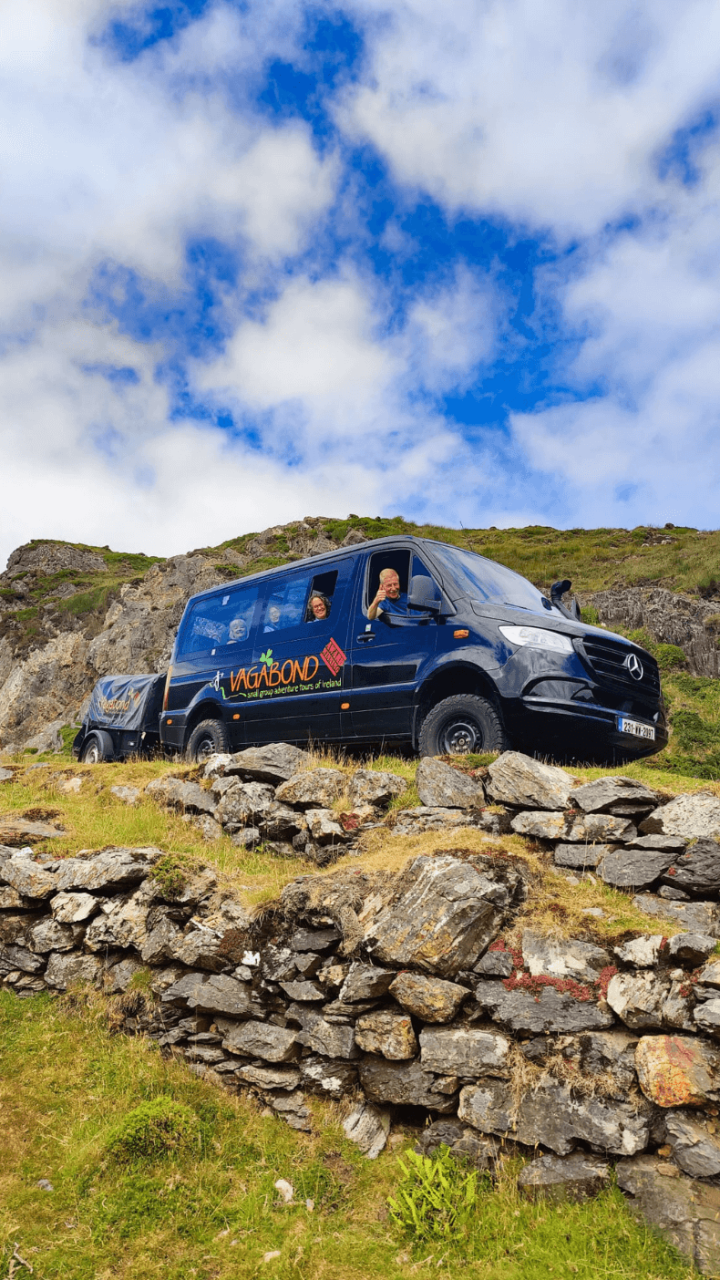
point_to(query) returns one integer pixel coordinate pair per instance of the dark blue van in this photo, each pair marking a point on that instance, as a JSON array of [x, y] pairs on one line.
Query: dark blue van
[[405, 641]]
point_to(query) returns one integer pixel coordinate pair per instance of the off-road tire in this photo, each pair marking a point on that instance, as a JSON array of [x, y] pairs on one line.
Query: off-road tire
[[98, 746], [462, 724], [208, 738]]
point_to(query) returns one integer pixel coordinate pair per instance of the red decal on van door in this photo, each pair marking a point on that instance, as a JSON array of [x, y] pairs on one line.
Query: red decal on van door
[[333, 656]]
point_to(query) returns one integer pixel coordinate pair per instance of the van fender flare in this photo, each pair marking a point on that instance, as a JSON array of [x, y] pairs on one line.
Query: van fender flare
[[473, 667], [202, 708]]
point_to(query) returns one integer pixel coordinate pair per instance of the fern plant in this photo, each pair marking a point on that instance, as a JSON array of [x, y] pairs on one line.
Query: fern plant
[[435, 1198]]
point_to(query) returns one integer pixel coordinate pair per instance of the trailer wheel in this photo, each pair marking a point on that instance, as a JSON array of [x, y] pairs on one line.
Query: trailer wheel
[[462, 724], [208, 738], [98, 746]]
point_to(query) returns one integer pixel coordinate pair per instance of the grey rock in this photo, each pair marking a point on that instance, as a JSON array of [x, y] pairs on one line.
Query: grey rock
[[206, 825], [463, 1051], [74, 908], [22, 831], [374, 787], [388, 1032], [495, 964], [674, 843], [279, 822], [300, 990], [634, 868], [199, 948], [107, 871], [275, 763], [430, 999], [542, 824], [365, 982], [118, 977], [691, 948], [707, 1016], [210, 993], [463, 1142], [330, 1039], [316, 789], [157, 946], [709, 975], [557, 1179], [287, 1078], [643, 952], [442, 921], [128, 795], [314, 939], [324, 827], [194, 888], [673, 894], [121, 922], [600, 795], [697, 917], [583, 856], [685, 1212], [51, 936], [638, 999], [330, 1078], [403, 1084], [176, 794], [19, 957], [262, 1040], [697, 870], [204, 1053], [368, 1127], [440, 786], [65, 971], [277, 964], [247, 838], [409, 822], [696, 815], [569, 958], [552, 1116], [525, 1013], [594, 827], [695, 1149], [608, 1054], [29, 879], [245, 804], [6, 775], [518, 780]]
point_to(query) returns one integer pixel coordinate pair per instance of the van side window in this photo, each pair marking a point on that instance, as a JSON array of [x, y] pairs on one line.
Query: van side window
[[215, 621], [285, 606], [394, 559], [322, 586]]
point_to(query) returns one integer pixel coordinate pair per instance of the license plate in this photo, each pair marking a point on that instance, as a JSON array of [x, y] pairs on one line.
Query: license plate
[[636, 728]]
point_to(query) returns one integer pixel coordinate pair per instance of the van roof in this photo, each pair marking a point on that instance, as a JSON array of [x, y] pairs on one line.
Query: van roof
[[341, 552]]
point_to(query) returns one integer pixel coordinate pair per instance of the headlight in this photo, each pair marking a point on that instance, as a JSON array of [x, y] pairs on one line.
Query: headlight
[[537, 638]]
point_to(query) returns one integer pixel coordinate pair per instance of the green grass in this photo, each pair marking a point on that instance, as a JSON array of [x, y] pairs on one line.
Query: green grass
[[207, 1207]]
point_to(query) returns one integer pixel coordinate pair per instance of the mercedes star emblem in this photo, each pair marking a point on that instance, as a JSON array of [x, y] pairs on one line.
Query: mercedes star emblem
[[634, 666]]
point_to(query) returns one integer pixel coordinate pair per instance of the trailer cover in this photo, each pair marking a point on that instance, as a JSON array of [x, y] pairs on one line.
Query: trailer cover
[[126, 702]]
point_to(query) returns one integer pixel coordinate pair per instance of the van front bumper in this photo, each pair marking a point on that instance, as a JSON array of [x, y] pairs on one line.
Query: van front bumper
[[583, 729]]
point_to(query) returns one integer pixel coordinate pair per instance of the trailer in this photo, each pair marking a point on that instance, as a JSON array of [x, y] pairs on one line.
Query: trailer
[[122, 719]]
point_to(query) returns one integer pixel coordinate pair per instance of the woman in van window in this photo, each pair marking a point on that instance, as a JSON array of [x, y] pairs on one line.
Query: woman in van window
[[318, 607]]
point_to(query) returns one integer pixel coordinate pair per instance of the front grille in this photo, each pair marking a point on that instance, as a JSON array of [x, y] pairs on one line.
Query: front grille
[[607, 659]]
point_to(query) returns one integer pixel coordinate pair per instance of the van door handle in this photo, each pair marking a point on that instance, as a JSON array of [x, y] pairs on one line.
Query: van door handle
[[365, 637]]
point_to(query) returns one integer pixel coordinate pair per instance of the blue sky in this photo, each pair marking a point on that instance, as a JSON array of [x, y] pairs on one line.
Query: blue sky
[[269, 259]]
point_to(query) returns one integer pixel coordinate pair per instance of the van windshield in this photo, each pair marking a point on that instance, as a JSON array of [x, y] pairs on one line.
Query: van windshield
[[488, 581]]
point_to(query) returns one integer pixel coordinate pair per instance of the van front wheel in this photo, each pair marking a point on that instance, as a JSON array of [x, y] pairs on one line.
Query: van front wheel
[[208, 738], [462, 724]]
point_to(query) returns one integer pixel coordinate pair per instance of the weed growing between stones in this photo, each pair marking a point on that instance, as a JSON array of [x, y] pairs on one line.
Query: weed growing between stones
[[435, 1198]]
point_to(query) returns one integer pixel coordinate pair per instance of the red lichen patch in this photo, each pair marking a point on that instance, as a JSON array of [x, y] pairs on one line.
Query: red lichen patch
[[565, 986], [349, 821], [604, 980]]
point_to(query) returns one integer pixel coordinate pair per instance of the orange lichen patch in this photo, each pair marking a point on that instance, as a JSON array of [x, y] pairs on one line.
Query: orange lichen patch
[[676, 1071]]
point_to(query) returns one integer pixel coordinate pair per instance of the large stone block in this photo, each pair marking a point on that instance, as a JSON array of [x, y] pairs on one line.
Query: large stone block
[[262, 1040], [28, 878], [274, 763], [552, 1116], [74, 908], [65, 971], [374, 786], [678, 1071], [108, 871], [316, 789], [430, 999], [524, 783], [245, 804], [463, 1051], [366, 982], [442, 921], [527, 1012], [402, 1083], [211, 993], [189, 797], [695, 1146], [603, 793], [698, 917], [388, 1032], [638, 998], [441, 786], [697, 870], [634, 868], [685, 1212], [368, 1127], [566, 958], [689, 816], [559, 1179]]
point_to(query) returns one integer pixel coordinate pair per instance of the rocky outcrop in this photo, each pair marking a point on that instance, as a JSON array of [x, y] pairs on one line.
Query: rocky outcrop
[[690, 623]]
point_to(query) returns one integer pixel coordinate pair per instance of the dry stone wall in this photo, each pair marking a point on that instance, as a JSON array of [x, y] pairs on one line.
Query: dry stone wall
[[402, 994]]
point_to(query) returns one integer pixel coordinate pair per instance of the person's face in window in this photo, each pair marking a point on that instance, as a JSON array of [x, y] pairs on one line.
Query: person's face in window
[[274, 614], [318, 608], [391, 583], [237, 629]]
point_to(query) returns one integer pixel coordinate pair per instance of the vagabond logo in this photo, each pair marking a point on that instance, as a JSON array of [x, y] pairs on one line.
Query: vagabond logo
[[275, 675]]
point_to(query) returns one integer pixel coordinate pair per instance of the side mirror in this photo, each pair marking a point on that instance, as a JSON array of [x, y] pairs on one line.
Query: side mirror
[[423, 594]]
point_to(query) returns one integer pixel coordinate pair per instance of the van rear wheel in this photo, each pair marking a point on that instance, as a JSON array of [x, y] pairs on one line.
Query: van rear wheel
[[208, 738], [462, 724], [98, 746]]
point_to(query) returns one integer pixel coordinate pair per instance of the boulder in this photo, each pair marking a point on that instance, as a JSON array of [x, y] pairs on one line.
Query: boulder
[[316, 789], [21, 831], [366, 982], [329, 1039], [374, 787], [527, 1012], [211, 993], [593, 827], [685, 1212], [553, 1116], [287, 1078], [440, 786], [244, 804], [698, 917], [695, 1147], [49, 935], [368, 1127], [128, 795], [74, 908], [638, 998], [65, 971], [121, 922], [303, 991], [643, 952], [678, 1071], [19, 957], [576, 1177], [566, 958], [29, 879], [262, 1040], [691, 948], [331, 1078], [463, 1051], [177, 794], [524, 783], [402, 1083], [107, 871], [430, 999], [675, 843], [324, 827], [690, 816], [541, 825], [388, 1032], [697, 870], [442, 920], [634, 868], [581, 856], [707, 1016], [599, 796], [275, 763]]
